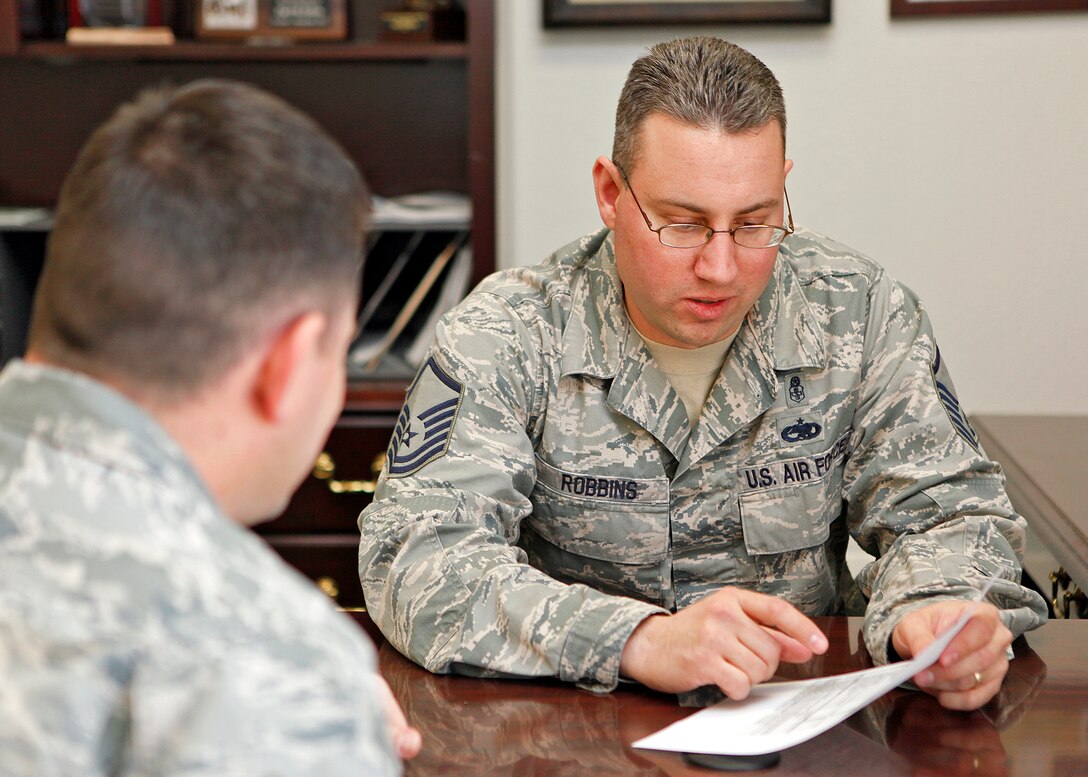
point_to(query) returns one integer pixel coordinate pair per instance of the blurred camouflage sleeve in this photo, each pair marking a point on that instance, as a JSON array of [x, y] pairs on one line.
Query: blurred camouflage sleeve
[[439, 563], [244, 715], [922, 495]]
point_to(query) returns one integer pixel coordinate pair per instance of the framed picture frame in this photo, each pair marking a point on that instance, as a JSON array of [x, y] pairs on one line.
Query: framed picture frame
[[271, 19], [571, 13], [951, 7]]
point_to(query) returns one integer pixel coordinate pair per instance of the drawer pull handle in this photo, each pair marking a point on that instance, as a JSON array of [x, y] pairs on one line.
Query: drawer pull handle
[[325, 469], [329, 587], [1067, 599]]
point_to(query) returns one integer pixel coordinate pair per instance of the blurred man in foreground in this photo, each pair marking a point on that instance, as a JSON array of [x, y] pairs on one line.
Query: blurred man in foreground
[[185, 362]]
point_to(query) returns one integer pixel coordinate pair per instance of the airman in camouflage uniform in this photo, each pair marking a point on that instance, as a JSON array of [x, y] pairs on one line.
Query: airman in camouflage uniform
[[546, 494], [144, 632], [185, 361]]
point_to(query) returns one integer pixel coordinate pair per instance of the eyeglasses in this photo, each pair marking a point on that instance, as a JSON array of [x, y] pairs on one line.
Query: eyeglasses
[[695, 235]]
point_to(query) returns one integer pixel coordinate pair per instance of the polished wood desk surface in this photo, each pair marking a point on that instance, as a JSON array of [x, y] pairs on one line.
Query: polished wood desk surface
[[1037, 726], [1045, 458]]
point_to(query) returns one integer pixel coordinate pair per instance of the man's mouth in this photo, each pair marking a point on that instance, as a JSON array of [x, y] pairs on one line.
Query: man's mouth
[[707, 307]]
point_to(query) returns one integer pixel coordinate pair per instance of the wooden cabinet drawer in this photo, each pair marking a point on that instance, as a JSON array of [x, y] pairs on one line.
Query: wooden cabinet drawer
[[330, 560], [342, 484], [318, 533]]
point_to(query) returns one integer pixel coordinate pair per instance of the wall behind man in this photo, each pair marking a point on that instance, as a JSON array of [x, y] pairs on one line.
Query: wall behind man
[[952, 150]]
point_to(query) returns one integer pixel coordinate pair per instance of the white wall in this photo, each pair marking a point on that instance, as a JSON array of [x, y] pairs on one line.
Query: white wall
[[952, 150]]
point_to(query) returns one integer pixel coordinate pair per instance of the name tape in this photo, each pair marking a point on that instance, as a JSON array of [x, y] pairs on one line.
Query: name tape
[[610, 488]]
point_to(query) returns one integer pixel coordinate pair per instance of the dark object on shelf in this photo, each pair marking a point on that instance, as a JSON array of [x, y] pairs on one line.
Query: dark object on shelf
[[43, 19], [114, 13], [423, 20], [111, 14], [22, 251]]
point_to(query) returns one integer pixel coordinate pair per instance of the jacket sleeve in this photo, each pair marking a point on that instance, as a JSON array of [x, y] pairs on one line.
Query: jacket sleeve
[[441, 571], [922, 495], [256, 709]]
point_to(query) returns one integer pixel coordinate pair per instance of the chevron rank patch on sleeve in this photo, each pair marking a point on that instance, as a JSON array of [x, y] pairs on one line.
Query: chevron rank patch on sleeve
[[947, 395], [425, 424]]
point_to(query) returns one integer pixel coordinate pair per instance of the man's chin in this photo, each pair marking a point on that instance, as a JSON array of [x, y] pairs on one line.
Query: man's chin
[[253, 515], [700, 339]]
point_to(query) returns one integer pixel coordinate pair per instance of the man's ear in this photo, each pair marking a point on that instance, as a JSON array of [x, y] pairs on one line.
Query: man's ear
[[607, 185], [284, 363]]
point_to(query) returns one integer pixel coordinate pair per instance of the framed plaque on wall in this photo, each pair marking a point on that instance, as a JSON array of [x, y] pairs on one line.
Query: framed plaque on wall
[[949, 7], [565, 13]]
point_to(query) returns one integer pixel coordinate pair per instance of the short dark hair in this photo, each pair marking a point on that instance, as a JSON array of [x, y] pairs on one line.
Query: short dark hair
[[699, 81], [194, 221]]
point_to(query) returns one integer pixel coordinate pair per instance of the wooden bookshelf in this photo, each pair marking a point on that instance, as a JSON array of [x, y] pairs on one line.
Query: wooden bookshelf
[[415, 116]]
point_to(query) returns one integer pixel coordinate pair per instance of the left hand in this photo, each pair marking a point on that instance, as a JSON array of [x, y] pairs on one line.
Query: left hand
[[970, 670]]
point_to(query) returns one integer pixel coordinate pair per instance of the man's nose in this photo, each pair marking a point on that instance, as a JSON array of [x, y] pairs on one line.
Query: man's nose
[[717, 260]]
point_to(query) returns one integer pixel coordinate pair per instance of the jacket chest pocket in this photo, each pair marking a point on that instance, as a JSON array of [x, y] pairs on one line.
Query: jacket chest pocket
[[602, 516], [789, 505]]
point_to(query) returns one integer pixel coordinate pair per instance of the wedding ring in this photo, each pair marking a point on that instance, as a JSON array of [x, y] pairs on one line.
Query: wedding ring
[[978, 679]]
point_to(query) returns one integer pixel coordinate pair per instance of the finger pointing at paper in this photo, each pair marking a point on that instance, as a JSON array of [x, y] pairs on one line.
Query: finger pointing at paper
[[733, 638], [971, 668]]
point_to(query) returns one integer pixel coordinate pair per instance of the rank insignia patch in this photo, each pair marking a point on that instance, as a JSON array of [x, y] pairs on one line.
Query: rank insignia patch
[[425, 425], [796, 393], [951, 404]]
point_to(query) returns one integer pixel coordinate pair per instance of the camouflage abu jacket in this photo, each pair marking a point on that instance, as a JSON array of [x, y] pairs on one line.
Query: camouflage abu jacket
[[544, 492], [144, 632]]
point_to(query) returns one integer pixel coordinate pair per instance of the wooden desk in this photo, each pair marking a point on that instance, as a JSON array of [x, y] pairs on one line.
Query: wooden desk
[[1045, 460], [1037, 727]]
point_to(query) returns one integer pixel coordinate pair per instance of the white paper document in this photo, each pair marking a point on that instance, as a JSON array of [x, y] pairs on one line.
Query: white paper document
[[780, 715]]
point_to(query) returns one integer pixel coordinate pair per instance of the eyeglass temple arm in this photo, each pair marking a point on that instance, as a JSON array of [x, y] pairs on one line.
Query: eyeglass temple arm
[[627, 182]]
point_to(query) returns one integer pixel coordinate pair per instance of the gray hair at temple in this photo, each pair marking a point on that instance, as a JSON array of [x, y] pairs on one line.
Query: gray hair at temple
[[194, 222], [702, 82]]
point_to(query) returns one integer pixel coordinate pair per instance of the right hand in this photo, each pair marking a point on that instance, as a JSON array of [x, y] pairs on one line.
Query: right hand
[[733, 638], [406, 739]]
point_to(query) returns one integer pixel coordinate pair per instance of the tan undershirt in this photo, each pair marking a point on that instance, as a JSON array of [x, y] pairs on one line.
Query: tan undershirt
[[691, 371]]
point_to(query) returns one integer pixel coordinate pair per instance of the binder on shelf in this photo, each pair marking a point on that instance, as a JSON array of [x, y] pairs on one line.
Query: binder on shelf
[[375, 300], [419, 275], [453, 290]]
